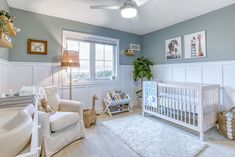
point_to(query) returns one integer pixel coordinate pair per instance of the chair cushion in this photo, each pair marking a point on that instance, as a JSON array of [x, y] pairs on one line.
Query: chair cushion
[[62, 120], [53, 97]]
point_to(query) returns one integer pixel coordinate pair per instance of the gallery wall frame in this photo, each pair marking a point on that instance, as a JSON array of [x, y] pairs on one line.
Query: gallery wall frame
[[38, 47], [173, 48], [195, 45]]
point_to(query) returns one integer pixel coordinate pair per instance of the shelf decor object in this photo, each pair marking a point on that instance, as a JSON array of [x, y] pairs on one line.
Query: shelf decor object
[[117, 102], [5, 40], [69, 60], [7, 29], [38, 47]]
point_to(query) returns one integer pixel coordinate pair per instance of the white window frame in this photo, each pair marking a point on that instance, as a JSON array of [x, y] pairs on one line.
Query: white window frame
[[96, 39]]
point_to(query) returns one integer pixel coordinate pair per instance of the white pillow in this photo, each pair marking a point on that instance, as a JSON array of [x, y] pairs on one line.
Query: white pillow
[[53, 97]]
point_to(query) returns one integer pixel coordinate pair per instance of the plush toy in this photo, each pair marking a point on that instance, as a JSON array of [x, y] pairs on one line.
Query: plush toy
[[45, 107], [89, 115]]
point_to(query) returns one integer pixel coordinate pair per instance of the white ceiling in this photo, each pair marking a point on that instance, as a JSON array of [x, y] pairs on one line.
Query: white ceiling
[[153, 15]]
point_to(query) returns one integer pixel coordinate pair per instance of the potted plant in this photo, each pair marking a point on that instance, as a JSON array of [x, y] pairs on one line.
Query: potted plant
[[142, 69]]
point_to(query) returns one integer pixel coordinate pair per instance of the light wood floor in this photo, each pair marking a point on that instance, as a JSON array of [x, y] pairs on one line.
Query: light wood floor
[[100, 142]]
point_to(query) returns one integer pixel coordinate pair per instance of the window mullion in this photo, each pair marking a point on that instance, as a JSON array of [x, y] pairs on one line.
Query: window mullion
[[114, 61], [92, 60], [104, 63]]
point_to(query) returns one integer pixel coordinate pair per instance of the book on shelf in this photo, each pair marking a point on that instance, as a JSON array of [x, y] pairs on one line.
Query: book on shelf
[[116, 95]]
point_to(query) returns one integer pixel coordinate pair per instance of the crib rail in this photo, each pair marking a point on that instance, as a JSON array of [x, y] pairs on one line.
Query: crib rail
[[191, 105]]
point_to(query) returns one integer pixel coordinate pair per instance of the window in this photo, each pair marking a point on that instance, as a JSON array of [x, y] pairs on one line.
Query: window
[[104, 61], [98, 56]]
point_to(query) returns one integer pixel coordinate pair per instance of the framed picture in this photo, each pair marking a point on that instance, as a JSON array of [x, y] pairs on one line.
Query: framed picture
[[173, 48], [37, 47], [195, 45]]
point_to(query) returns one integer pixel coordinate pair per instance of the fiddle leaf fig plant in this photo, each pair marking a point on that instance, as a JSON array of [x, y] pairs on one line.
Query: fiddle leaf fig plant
[[142, 69]]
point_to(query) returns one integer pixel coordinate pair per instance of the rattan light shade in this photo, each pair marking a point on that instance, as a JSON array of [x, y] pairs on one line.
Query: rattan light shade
[[70, 59]]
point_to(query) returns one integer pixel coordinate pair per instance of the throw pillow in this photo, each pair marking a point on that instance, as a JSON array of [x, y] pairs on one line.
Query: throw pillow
[[52, 97]]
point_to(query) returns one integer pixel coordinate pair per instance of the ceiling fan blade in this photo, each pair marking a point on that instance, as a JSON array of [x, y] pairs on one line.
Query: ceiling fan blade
[[140, 2], [115, 7]]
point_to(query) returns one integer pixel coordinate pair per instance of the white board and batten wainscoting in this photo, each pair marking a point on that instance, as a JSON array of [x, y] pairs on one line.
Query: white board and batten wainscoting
[[13, 75], [50, 74], [219, 72], [4, 76]]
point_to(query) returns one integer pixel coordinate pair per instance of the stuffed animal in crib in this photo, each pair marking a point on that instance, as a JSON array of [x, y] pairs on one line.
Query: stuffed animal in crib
[[89, 115]]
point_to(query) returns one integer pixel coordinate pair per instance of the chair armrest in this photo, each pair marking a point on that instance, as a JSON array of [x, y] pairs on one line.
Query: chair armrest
[[45, 124], [71, 106]]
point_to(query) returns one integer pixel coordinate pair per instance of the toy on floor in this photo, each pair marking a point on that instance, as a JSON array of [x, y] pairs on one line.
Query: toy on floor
[[89, 115]]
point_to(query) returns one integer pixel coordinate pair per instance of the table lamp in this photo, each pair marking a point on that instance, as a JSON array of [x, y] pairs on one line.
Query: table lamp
[[70, 59]]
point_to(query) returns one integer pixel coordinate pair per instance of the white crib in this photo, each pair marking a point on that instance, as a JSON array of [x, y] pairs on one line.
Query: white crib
[[191, 105]]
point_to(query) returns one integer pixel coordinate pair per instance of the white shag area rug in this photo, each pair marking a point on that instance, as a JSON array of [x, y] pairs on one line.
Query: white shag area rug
[[152, 139]]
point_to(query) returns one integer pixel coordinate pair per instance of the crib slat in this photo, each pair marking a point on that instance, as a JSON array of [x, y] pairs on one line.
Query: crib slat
[[185, 106], [178, 103], [181, 102], [194, 99], [160, 97], [165, 101], [171, 103], [189, 99], [167, 108]]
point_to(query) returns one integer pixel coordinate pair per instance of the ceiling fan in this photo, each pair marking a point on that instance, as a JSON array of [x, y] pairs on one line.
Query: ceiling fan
[[128, 8]]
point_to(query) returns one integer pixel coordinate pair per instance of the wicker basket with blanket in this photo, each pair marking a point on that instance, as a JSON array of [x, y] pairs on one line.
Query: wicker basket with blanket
[[226, 123]]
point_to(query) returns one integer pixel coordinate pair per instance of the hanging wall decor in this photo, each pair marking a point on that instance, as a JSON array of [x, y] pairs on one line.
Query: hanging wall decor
[[195, 45], [37, 47], [173, 48]]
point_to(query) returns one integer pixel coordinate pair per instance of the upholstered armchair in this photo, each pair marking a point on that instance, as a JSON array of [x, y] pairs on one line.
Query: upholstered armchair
[[63, 127]]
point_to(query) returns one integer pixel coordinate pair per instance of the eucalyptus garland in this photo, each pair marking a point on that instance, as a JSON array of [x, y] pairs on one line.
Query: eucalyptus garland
[[8, 16], [3, 23]]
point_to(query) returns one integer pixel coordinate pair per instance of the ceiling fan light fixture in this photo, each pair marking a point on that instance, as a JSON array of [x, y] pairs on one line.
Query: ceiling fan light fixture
[[128, 11]]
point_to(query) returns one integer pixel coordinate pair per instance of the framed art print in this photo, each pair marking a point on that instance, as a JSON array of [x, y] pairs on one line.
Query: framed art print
[[195, 45], [173, 48], [37, 47]]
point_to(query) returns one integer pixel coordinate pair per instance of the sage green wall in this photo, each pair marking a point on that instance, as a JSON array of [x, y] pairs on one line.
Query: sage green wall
[[4, 52], [37, 26], [220, 30]]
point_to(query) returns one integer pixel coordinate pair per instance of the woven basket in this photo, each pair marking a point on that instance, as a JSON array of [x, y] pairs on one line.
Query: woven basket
[[221, 123]]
